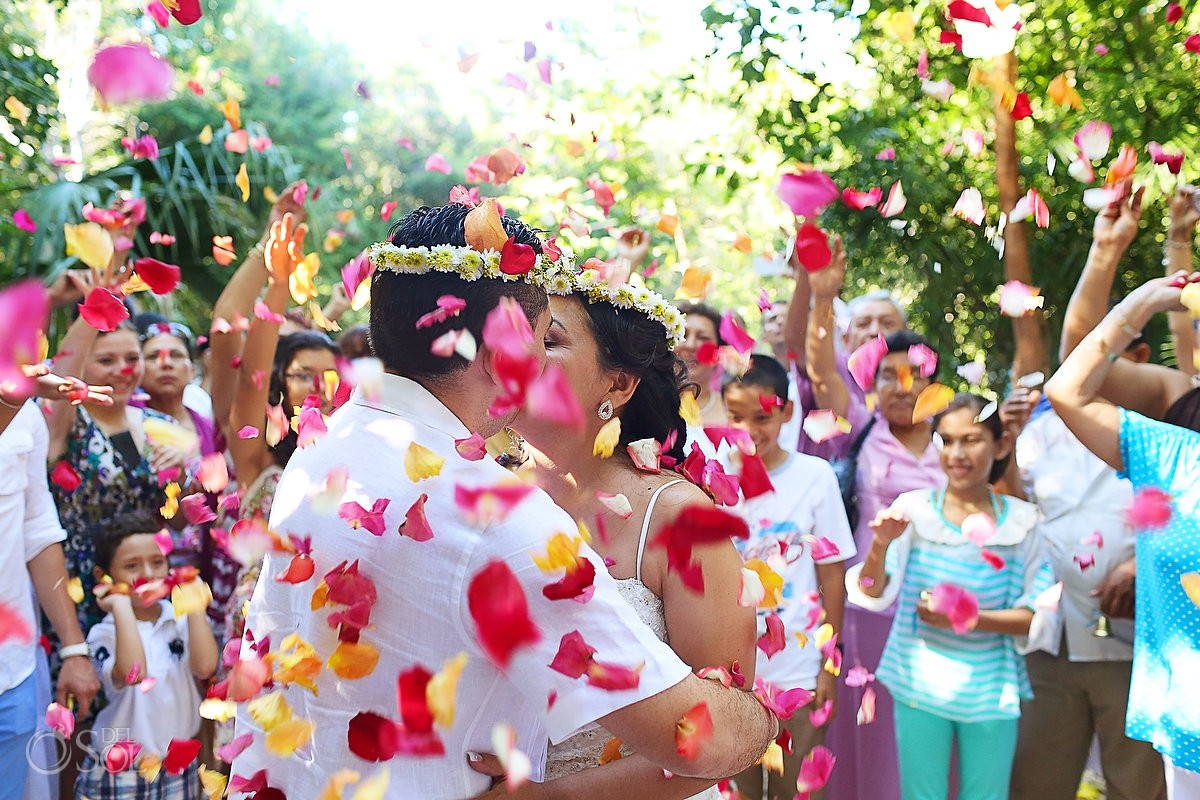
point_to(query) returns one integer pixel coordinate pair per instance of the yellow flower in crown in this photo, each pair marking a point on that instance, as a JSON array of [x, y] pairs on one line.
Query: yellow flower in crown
[[623, 295]]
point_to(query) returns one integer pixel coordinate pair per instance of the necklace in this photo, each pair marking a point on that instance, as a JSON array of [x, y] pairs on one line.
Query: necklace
[[515, 454], [712, 399]]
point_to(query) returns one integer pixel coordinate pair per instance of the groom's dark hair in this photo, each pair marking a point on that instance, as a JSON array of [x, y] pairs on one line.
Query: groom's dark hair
[[398, 300]]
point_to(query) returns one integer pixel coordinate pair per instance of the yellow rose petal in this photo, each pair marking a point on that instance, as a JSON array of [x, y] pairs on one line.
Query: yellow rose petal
[[243, 182], [442, 689], [771, 580], [689, 409], [301, 281], [90, 243], [1190, 297], [18, 110], [561, 552], [212, 782], [190, 598], [902, 25], [773, 758], [171, 507], [607, 438], [420, 463], [270, 710], [217, 710], [373, 788], [823, 635], [1191, 585], [289, 736], [206, 135], [149, 765], [337, 783]]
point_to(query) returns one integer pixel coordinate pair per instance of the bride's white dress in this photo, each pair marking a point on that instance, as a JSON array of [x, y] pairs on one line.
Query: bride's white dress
[[583, 750]]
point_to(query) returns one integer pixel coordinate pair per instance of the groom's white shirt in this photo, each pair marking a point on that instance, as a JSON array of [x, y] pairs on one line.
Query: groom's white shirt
[[421, 617]]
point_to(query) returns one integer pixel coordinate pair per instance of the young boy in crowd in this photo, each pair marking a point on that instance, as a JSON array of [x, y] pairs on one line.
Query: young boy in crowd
[[148, 661], [801, 517]]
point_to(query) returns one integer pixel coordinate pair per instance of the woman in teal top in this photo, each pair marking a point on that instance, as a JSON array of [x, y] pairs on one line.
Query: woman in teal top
[[954, 672], [1164, 696]]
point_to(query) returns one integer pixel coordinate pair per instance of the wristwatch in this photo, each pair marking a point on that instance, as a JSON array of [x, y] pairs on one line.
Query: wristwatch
[[71, 650]]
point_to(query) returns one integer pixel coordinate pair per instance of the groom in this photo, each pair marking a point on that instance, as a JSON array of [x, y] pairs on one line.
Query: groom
[[419, 601]]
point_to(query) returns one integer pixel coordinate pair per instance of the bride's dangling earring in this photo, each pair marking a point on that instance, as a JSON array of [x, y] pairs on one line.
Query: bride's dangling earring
[[605, 411]]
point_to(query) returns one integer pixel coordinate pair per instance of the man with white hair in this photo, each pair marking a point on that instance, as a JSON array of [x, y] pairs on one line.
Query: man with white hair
[[825, 380]]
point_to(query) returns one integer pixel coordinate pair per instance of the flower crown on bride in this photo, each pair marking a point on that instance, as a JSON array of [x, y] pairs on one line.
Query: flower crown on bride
[[564, 280]]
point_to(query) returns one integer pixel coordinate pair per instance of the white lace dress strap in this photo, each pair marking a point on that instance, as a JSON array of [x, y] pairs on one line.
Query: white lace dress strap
[[646, 523]]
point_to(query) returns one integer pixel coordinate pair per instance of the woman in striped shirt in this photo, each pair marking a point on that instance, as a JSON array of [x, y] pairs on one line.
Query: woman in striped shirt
[[953, 668]]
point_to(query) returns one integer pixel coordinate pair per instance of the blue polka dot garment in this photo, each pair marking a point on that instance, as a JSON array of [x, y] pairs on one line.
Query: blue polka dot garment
[[1164, 697]]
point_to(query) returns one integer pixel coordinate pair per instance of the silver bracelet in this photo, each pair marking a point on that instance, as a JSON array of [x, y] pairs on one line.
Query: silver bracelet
[[17, 407]]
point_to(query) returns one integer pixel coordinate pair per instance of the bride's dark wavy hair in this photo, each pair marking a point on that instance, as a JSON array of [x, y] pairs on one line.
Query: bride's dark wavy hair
[[630, 341]]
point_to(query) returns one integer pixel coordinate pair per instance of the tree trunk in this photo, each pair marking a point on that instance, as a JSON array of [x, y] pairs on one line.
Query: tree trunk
[[1029, 332]]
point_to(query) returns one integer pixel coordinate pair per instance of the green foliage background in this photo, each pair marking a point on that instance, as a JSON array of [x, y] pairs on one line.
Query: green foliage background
[[705, 142], [945, 267]]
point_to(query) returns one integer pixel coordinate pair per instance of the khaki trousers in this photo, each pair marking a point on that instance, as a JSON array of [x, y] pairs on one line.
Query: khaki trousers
[[1072, 702]]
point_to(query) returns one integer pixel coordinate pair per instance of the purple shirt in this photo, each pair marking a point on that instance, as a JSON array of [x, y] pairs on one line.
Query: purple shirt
[[210, 439], [887, 469], [856, 413]]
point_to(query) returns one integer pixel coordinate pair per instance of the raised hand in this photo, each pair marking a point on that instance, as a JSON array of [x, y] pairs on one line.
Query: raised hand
[[632, 245], [1117, 225], [1017, 408], [1184, 214], [285, 248], [49, 386], [888, 525], [286, 204], [827, 283]]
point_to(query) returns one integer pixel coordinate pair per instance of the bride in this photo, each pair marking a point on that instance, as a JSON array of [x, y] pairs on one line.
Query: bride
[[615, 347]]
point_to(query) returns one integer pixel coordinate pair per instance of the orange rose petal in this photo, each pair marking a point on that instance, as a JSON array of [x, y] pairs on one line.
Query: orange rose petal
[[287, 737], [933, 399], [483, 229], [354, 660]]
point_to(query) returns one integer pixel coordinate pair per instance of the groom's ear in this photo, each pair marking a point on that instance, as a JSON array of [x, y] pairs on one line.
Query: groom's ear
[[485, 361]]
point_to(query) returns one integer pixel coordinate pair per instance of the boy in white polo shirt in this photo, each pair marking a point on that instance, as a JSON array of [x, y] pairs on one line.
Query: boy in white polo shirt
[[801, 516], [142, 644]]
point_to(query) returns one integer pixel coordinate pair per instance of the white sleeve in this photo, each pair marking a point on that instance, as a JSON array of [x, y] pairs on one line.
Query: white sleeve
[[102, 641], [897, 561], [42, 527], [829, 515], [606, 622], [1039, 596]]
